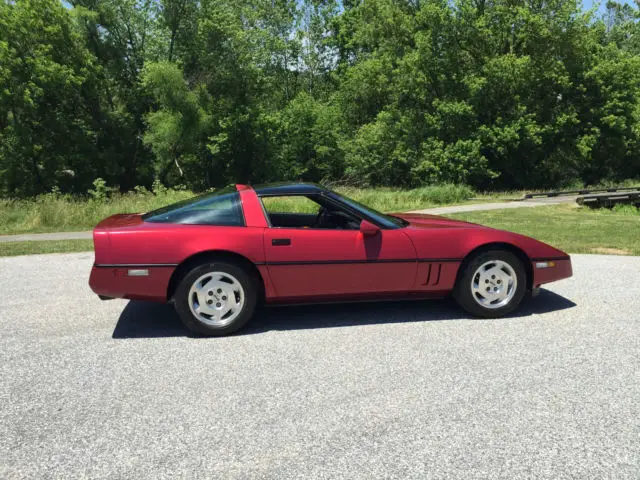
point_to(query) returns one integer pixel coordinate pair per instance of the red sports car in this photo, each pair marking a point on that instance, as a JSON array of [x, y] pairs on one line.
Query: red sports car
[[219, 255]]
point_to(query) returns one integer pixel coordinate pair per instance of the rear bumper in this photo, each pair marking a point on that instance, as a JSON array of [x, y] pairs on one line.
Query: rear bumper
[[561, 269], [117, 282]]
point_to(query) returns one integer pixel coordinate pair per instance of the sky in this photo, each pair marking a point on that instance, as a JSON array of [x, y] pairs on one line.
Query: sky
[[590, 3], [587, 4]]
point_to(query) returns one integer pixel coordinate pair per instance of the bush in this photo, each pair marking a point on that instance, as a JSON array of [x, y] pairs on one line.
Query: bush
[[626, 209], [100, 190]]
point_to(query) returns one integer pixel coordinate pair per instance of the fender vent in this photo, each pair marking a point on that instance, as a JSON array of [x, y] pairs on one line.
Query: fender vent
[[433, 274]]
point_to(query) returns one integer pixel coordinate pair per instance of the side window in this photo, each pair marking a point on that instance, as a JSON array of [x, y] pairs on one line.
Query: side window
[[300, 211], [290, 204], [218, 209]]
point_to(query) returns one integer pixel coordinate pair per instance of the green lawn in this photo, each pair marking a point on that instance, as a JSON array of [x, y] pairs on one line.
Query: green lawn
[[568, 227], [573, 229], [63, 213], [9, 249]]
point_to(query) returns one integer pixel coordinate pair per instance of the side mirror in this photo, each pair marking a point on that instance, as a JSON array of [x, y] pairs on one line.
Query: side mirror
[[368, 229]]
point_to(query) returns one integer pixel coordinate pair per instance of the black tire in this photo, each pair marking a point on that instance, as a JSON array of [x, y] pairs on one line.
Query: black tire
[[464, 294], [249, 284]]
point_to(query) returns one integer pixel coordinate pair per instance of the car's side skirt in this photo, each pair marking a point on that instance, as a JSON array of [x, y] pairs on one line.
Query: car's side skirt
[[378, 297]]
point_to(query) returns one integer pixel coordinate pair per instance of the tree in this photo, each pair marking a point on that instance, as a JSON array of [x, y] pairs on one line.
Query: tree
[[46, 139], [176, 130], [119, 34], [501, 94]]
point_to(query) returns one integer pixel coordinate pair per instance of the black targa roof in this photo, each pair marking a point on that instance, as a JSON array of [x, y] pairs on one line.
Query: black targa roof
[[288, 189]]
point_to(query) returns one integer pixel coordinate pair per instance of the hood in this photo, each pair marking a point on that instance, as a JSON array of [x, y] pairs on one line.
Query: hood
[[422, 220], [121, 220]]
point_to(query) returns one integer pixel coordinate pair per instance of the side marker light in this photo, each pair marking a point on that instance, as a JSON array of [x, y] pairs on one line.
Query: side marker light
[[138, 273], [545, 264]]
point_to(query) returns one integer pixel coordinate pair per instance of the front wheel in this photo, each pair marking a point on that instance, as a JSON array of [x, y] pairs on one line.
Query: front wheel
[[216, 298], [492, 284]]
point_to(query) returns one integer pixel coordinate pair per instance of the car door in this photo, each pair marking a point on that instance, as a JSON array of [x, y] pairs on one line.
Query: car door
[[309, 262]]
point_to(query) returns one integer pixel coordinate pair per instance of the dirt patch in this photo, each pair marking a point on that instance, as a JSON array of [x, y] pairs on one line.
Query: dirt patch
[[610, 251]]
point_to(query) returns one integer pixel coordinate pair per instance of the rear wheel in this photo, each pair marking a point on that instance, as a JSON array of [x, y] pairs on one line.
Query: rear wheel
[[216, 298], [492, 284]]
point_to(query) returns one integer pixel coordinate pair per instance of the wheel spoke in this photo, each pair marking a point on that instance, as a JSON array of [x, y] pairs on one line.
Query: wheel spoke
[[204, 308], [478, 289], [233, 301], [494, 273], [213, 283], [484, 297], [222, 311], [202, 297], [501, 294]]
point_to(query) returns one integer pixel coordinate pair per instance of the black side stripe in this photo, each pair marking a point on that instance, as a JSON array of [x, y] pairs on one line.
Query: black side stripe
[[318, 262], [384, 260], [440, 260], [302, 262], [134, 265], [544, 259]]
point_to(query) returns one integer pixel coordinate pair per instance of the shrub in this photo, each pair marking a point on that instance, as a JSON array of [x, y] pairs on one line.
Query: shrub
[[100, 191]]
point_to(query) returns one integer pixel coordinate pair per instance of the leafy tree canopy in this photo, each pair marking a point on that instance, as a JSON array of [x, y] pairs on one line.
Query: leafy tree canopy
[[499, 94]]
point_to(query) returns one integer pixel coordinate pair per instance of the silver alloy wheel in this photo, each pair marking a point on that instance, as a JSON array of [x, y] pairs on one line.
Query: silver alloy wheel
[[494, 284], [216, 298]]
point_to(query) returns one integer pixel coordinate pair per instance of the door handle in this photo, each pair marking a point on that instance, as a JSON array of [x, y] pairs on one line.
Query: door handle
[[280, 242]]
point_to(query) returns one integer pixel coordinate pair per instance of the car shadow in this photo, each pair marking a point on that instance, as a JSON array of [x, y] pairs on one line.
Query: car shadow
[[153, 320]]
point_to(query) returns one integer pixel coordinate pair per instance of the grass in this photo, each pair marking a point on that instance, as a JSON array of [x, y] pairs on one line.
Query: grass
[[570, 228], [517, 194], [397, 200], [64, 213], [574, 229], [10, 249]]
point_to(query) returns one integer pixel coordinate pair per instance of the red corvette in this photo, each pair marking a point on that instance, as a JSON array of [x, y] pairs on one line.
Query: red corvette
[[217, 256]]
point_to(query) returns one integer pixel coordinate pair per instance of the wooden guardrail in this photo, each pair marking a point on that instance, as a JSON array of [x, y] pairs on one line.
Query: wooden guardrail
[[580, 192], [608, 200]]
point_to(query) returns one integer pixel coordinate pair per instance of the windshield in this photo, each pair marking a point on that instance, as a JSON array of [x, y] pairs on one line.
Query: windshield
[[387, 221]]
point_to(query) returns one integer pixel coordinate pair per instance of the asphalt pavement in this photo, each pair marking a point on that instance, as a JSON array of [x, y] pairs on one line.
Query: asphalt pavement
[[478, 207], [117, 389]]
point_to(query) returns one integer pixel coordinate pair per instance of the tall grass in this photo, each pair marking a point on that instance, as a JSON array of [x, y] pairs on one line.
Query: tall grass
[[51, 212], [382, 199], [54, 212], [397, 200]]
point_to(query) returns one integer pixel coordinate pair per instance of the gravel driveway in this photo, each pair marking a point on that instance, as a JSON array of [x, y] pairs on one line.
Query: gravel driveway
[[397, 390]]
